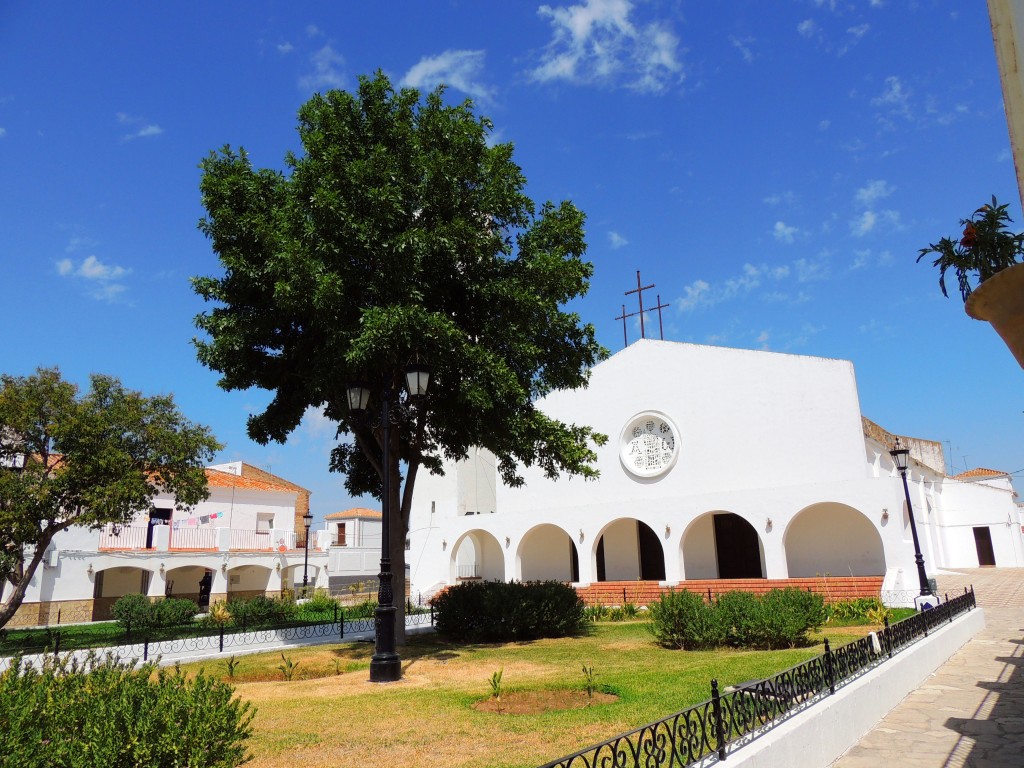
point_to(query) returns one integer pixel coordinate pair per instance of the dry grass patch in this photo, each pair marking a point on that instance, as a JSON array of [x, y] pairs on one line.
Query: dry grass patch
[[436, 717]]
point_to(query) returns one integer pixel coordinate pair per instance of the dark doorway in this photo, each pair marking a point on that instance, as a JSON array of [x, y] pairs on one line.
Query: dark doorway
[[652, 556], [601, 573], [575, 561], [983, 542], [156, 517], [736, 544]]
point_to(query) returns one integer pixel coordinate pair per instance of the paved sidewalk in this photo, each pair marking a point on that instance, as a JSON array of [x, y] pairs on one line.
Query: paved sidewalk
[[970, 713]]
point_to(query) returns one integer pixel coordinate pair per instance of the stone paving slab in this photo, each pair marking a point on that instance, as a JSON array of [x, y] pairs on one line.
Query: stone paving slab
[[970, 712]]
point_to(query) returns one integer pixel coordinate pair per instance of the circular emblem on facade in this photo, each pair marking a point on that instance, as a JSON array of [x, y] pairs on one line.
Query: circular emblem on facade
[[648, 446]]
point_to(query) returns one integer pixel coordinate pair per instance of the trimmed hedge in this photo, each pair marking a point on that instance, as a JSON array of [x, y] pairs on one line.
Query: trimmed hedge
[[138, 612], [781, 618], [104, 712], [496, 611]]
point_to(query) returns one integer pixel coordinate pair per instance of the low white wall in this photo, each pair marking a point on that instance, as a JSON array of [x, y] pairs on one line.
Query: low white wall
[[816, 737]]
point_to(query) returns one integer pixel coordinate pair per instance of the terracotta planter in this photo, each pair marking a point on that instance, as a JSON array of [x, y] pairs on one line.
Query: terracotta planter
[[1000, 301]]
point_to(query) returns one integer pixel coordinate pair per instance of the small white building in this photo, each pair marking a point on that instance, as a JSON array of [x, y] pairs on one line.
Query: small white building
[[721, 465], [242, 541]]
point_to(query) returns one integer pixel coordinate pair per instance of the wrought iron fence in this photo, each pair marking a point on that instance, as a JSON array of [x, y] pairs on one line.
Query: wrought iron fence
[[199, 636], [732, 716]]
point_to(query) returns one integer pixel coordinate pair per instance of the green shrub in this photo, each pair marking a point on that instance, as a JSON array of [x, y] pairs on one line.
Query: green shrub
[[494, 611], [363, 610], [261, 611], [786, 616], [595, 612], [740, 614], [172, 611], [683, 620], [103, 712], [852, 611], [133, 612], [320, 602]]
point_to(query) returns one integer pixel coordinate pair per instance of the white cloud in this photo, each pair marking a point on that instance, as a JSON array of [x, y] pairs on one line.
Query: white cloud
[[616, 240], [103, 280], [328, 71], [3, 131], [743, 46], [285, 47], [459, 69], [693, 296], [863, 223], [145, 129], [807, 28], [894, 97], [701, 293], [778, 198], [312, 30], [874, 191], [824, 125], [596, 42], [784, 233], [812, 270]]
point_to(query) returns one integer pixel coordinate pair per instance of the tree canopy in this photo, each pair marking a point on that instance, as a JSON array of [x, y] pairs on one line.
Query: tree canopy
[[85, 460], [399, 234]]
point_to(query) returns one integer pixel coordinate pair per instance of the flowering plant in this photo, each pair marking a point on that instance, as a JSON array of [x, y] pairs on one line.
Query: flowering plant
[[986, 248]]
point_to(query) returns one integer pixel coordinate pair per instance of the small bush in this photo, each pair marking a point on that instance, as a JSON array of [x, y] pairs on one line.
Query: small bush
[[494, 611], [172, 611], [787, 615], [132, 612], [321, 602], [103, 712], [261, 611], [596, 612], [683, 620], [852, 611], [741, 616]]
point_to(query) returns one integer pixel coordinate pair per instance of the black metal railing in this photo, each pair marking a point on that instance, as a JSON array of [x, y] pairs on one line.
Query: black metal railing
[[733, 716]]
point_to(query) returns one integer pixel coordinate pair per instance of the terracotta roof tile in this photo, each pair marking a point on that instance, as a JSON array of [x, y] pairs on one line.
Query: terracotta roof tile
[[978, 472], [218, 479], [354, 512]]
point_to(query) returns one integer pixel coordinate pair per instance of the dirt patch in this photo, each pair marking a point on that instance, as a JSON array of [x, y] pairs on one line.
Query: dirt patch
[[535, 702]]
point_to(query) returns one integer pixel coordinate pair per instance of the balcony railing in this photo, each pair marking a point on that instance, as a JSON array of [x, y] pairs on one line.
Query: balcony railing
[[123, 537], [194, 538], [471, 571], [259, 541]]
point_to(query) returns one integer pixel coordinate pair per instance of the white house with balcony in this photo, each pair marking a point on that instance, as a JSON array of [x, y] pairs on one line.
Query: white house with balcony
[[241, 542], [722, 465]]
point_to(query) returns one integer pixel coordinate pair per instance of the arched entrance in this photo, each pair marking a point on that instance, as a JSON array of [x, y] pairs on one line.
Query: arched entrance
[[247, 581], [111, 584], [548, 553], [477, 555], [722, 545], [629, 550], [832, 538], [191, 582]]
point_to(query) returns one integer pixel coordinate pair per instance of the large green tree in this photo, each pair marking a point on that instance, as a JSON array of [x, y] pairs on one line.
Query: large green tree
[[70, 459], [399, 233]]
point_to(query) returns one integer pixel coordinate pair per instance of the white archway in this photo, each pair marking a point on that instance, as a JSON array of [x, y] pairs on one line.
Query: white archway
[[835, 539], [477, 555], [628, 549], [721, 545], [547, 552]]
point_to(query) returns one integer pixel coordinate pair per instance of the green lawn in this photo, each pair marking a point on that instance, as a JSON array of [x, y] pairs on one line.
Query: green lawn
[[428, 719]]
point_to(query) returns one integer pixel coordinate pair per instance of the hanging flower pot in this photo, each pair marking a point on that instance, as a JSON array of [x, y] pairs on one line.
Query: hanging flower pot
[[989, 253], [1000, 301]]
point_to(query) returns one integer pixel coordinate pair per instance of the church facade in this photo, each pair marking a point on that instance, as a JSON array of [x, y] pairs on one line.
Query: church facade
[[720, 464]]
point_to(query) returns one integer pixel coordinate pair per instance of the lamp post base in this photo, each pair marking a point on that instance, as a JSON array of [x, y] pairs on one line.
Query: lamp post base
[[386, 664]]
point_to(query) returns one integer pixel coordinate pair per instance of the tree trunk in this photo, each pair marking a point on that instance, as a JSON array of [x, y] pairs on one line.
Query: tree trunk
[[9, 608]]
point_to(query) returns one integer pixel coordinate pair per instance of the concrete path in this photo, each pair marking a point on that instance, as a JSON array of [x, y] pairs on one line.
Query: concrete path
[[970, 713]]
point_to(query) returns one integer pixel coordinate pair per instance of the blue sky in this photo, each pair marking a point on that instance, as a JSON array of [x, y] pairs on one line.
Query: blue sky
[[772, 167]]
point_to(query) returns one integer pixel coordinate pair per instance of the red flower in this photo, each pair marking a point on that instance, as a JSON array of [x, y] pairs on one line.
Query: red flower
[[970, 236]]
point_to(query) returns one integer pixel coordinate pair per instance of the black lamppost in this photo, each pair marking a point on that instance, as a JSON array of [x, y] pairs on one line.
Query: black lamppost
[[386, 665], [308, 520], [900, 455]]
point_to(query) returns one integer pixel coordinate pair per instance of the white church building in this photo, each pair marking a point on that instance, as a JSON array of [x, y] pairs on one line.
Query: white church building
[[723, 467]]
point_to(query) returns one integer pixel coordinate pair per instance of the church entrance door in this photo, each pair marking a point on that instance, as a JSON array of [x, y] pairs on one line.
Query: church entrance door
[[737, 547]]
